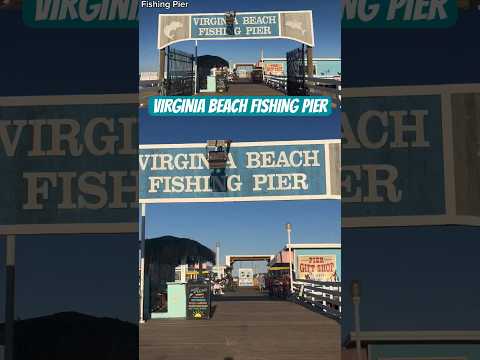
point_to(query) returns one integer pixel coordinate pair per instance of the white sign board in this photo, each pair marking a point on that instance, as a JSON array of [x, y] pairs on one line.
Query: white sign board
[[293, 25], [245, 277]]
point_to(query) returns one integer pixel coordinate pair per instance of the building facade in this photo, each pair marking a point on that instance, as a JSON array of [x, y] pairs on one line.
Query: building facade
[[323, 67], [320, 262]]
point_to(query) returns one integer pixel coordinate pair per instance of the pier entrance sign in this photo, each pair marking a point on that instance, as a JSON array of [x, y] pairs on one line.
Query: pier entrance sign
[[294, 25], [411, 156], [255, 171]]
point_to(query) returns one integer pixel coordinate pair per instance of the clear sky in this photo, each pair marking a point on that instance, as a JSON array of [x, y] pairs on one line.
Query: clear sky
[[412, 278], [244, 228], [93, 274], [326, 19]]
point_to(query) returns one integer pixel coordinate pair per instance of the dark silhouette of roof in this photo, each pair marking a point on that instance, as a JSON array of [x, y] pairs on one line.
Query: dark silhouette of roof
[[173, 250], [74, 336], [205, 63], [210, 61]]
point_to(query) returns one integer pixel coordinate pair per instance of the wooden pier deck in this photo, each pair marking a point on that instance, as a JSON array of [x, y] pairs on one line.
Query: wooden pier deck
[[249, 328]]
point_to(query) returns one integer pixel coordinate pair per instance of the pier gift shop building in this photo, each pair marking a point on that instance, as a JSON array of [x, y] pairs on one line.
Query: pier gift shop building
[[322, 67], [320, 262]]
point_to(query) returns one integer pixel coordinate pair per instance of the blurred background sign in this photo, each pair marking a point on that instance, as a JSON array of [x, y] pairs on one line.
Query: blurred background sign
[[399, 14], [69, 164], [410, 152], [80, 14]]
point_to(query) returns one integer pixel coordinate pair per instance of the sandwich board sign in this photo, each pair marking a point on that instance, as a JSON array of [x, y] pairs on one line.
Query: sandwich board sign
[[70, 163], [255, 171], [293, 25], [411, 156]]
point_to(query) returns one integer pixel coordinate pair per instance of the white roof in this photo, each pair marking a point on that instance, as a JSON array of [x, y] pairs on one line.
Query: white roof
[[252, 256], [413, 336], [314, 246], [315, 58], [239, 257]]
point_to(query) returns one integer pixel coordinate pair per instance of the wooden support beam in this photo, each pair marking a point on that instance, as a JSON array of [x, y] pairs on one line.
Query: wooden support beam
[[161, 75], [310, 61]]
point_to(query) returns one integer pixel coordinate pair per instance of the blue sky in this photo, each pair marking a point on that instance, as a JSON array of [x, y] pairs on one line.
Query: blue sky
[[326, 18], [246, 228], [93, 274], [412, 278]]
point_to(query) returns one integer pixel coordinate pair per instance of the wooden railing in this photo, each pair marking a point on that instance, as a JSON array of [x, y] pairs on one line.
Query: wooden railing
[[324, 297], [316, 86]]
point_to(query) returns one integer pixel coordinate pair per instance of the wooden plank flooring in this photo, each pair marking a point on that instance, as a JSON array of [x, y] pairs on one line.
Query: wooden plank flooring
[[249, 329]]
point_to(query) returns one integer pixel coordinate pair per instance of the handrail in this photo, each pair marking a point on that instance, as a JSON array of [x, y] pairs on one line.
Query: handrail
[[316, 86], [322, 296]]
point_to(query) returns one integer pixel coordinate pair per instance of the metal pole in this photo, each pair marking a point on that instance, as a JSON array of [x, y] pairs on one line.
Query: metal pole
[[170, 55], [358, 345], [10, 298], [310, 61], [196, 66], [218, 259], [161, 75], [356, 313], [142, 263], [289, 233], [304, 90]]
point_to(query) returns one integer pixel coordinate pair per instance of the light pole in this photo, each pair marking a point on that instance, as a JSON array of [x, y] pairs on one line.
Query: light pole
[[288, 227], [217, 260], [356, 313]]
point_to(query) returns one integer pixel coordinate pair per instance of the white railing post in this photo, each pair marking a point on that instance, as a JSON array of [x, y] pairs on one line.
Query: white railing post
[[340, 300], [325, 297], [332, 298]]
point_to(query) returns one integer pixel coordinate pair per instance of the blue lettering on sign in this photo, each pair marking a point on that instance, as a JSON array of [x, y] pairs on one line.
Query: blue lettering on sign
[[252, 171], [246, 25], [392, 156]]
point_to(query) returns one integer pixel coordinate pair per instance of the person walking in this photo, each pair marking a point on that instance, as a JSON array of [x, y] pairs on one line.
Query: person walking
[[261, 282]]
